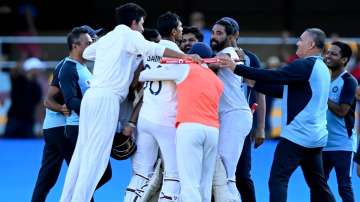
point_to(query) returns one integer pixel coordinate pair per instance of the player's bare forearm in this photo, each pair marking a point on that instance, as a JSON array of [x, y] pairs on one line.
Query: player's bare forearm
[[174, 54], [339, 110], [260, 110], [130, 126], [135, 114], [49, 101], [52, 104]]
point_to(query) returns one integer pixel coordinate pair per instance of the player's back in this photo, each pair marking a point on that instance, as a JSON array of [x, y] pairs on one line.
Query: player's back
[[115, 61], [55, 119], [74, 80], [159, 101], [199, 97]]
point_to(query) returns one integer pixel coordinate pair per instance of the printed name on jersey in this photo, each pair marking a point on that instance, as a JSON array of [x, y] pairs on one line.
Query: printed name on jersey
[[153, 58], [153, 86]]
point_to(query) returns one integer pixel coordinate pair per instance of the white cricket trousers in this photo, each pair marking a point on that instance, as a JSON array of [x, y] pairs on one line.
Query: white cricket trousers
[[196, 150], [151, 137], [234, 127], [99, 114]]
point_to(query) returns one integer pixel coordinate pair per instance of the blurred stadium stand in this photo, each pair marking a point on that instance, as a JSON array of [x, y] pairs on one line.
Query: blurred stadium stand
[[264, 46]]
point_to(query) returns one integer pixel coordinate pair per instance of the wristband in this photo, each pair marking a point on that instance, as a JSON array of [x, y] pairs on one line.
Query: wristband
[[131, 124]]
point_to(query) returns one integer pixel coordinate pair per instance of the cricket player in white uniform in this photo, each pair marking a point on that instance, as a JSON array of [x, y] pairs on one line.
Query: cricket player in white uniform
[[116, 55], [235, 117], [197, 121], [156, 124]]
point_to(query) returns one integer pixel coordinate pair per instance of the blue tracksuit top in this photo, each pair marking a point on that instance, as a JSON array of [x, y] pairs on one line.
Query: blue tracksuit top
[[74, 79], [304, 86]]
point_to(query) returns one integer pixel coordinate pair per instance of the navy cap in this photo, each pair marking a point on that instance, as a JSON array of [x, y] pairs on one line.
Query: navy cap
[[232, 22], [202, 49], [93, 33]]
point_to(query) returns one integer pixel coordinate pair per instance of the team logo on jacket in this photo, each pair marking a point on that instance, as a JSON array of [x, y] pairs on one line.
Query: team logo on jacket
[[87, 83], [335, 89]]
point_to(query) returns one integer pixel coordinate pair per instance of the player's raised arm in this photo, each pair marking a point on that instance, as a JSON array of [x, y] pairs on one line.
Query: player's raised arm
[[298, 71], [139, 45], [164, 73]]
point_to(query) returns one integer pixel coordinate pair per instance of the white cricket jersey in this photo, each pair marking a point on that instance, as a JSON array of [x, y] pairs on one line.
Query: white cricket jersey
[[159, 101], [117, 55], [233, 97]]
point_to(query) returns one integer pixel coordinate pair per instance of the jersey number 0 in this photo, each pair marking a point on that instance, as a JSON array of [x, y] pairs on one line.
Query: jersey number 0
[[150, 84]]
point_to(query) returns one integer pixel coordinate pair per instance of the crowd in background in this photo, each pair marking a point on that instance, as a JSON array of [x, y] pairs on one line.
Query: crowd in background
[[22, 87]]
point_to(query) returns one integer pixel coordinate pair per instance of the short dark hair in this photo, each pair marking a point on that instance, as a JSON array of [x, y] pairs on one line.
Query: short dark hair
[[318, 36], [126, 13], [74, 36], [150, 34], [345, 50], [167, 22], [229, 28], [195, 31]]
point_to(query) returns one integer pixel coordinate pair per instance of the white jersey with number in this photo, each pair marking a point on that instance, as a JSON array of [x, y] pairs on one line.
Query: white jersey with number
[[159, 101], [233, 97]]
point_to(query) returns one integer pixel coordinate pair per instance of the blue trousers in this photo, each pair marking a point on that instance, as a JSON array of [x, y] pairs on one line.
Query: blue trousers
[[59, 146], [288, 156], [341, 161], [244, 183]]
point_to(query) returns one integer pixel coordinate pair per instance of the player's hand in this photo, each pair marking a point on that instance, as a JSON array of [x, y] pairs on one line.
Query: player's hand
[[128, 129], [226, 62], [3, 97], [250, 82], [240, 52], [213, 66], [64, 110], [259, 137], [194, 57], [357, 95]]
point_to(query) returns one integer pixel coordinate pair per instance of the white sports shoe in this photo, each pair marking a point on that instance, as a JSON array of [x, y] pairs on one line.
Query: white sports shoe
[[135, 190]]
